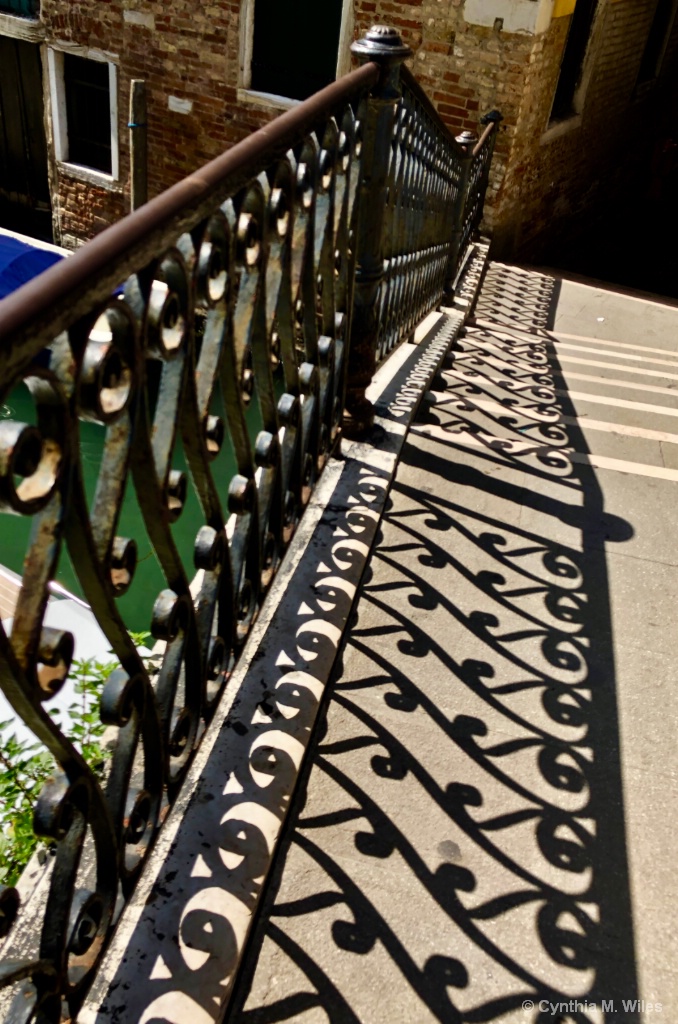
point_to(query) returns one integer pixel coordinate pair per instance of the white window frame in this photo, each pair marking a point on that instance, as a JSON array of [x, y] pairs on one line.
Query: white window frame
[[245, 91], [57, 90]]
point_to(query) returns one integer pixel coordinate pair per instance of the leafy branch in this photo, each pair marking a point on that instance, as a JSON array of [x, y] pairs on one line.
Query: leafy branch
[[26, 766]]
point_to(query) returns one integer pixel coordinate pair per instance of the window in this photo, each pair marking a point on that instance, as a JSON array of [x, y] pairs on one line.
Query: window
[[655, 46], [84, 111], [24, 8], [295, 48], [572, 64], [88, 112]]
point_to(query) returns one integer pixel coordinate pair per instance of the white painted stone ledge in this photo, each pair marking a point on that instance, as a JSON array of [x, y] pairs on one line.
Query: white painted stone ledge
[[524, 17]]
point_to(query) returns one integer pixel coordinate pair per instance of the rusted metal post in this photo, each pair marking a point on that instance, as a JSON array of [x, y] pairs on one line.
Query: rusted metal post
[[383, 46], [493, 118], [138, 145], [467, 141]]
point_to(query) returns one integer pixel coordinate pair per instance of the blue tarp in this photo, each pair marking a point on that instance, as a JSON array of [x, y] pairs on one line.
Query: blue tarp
[[19, 262]]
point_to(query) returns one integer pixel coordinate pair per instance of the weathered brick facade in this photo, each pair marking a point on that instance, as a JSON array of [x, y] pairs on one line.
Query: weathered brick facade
[[544, 175], [185, 49], [555, 175]]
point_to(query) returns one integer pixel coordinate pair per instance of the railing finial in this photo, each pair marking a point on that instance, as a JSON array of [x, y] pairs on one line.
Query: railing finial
[[467, 138], [384, 46], [492, 117], [381, 43]]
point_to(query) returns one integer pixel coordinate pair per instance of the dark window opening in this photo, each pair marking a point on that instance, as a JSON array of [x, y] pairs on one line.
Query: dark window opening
[[24, 8], [295, 46], [572, 64], [656, 41], [24, 189], [88, 112]]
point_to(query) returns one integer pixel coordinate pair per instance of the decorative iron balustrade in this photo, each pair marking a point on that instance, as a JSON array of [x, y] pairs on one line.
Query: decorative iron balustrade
[[436, 191], [211, 334], [473, 195], [427, 190]]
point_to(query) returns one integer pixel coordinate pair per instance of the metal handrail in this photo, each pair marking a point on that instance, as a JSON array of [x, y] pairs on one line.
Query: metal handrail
[[64, 291]]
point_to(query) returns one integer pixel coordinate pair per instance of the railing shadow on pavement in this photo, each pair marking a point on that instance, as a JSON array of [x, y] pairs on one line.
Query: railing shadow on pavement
[[479, 694]]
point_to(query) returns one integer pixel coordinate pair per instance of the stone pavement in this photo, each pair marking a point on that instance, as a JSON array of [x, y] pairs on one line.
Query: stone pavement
[[485, 831]]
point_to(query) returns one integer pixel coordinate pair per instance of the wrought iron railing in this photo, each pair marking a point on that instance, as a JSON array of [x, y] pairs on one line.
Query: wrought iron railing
[[208, 334], [424, 177], [424, 202]]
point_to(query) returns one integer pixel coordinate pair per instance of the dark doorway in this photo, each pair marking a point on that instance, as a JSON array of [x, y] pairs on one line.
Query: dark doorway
[[24, 188]]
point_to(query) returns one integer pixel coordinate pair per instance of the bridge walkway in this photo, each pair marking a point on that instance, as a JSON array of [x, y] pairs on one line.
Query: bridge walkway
[[485, 829]]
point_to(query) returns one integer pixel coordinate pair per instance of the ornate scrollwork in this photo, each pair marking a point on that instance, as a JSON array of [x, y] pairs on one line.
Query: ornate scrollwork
[[435, 194], [208, 338], [215, 372]]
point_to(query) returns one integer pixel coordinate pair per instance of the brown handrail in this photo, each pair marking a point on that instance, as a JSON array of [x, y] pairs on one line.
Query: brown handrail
[[491, 127]]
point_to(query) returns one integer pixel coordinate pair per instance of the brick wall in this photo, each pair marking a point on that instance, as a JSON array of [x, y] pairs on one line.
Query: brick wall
[[189, 51], [542, 177], [466, 69], [556, 174]]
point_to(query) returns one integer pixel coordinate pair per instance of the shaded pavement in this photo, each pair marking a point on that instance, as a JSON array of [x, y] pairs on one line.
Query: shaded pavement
[[484, 830]]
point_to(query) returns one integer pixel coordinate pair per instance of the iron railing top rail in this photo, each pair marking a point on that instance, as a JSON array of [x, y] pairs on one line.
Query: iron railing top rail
[[491, 122], [38, 310]]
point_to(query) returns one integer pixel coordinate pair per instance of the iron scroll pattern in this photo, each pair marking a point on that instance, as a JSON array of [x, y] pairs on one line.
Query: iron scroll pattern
[[459, 851], [228, 342], [435, 193]]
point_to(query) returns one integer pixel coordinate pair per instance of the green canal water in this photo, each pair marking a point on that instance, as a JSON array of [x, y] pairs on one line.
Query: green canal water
[[136, 605]]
